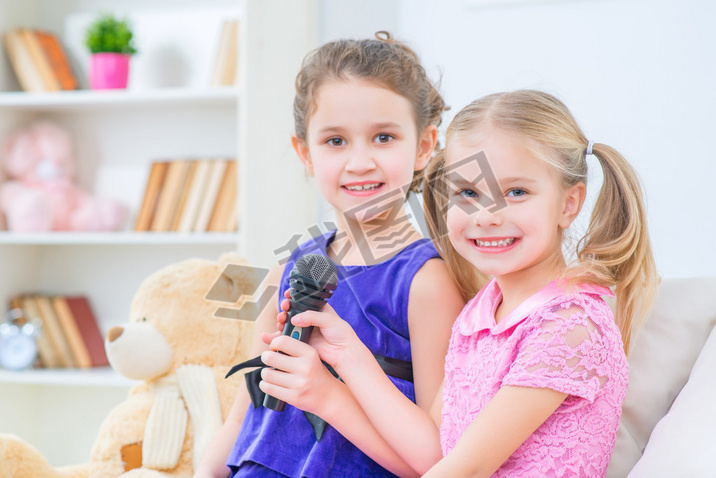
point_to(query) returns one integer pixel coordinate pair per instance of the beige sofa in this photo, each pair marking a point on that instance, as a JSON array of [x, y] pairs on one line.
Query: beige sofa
[[668, 426]]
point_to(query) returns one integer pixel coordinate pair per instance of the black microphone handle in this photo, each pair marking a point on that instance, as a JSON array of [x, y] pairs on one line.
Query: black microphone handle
[[299, 333]]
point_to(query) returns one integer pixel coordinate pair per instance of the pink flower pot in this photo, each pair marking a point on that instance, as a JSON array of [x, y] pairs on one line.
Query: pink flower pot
[[109, 71]]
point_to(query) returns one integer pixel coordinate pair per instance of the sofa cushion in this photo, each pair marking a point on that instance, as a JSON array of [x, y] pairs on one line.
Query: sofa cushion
[[664, 352], [683, 442]]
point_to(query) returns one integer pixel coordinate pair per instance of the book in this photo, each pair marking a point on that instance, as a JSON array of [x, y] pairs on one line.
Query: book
[[87, 324], [226, 58], [216, 175], [193, 202], [59, 62], [184, 197], [233, 223], [72, 332], [151, 194], [169, 196], [21, 61], [225, 202], [54, 331], [45, 349], [42, 64]]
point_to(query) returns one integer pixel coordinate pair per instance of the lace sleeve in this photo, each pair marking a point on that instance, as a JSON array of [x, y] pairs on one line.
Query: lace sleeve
[[565, 350]]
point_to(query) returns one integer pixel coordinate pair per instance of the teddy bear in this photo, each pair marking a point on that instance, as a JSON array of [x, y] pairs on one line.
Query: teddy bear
[[40, 193], [179, 350]]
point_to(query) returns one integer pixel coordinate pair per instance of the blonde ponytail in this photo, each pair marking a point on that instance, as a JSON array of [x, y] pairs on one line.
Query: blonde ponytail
[[616, 250]]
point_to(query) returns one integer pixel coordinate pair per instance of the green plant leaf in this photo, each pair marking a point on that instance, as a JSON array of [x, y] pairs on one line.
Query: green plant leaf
[[108, 34]]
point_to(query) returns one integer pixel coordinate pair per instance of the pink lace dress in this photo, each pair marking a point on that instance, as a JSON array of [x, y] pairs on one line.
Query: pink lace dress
[[563, 340]]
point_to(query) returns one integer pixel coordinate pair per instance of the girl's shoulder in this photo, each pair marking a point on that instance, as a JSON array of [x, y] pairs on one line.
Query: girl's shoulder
[[584, 307]]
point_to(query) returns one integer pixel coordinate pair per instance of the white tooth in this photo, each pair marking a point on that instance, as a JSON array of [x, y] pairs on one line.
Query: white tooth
[[362, 187], [494, 243]]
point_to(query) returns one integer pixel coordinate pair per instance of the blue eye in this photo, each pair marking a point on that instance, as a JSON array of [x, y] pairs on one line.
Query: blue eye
[[336, 141], [384, 138], [516, 192], [468, 193]]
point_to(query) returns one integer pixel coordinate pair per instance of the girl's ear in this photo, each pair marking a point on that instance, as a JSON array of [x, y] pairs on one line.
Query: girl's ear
[[573, 202], [304, 155], [426, 145]]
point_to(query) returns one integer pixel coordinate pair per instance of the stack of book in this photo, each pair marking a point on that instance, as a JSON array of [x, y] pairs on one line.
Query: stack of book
[[69, 335], [190, 196], [38, 60]]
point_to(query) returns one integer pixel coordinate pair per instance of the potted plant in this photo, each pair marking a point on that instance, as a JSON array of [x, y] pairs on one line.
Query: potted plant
[[110, 40]]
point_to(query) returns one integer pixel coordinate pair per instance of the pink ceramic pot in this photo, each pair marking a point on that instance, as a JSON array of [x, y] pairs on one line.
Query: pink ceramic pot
[[109, 71]]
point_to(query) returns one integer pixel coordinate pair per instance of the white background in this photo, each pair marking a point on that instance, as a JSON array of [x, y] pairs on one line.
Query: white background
[[638, 75]]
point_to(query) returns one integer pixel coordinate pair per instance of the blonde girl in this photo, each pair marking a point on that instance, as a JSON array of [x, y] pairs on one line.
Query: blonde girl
[[536, 368], [366, 118]]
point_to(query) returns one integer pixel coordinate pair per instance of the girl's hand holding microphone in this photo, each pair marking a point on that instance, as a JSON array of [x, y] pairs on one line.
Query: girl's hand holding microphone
[[300, 378]]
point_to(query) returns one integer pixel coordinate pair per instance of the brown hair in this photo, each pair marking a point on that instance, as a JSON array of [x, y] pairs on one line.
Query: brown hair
[[385, 61], [616, 249]]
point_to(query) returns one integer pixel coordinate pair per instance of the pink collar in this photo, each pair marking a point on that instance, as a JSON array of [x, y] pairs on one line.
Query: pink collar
[[479, 313]]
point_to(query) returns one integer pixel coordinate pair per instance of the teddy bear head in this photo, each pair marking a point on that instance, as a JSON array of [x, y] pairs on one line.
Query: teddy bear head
[[172, 323], [43, 152]]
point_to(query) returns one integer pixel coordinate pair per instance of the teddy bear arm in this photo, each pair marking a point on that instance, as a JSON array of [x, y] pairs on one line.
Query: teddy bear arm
[[123, 426]]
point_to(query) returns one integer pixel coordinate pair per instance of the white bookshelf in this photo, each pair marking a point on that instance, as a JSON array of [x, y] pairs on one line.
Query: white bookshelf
[[91, 378], [87, 100], [167, 112], [125, 238]]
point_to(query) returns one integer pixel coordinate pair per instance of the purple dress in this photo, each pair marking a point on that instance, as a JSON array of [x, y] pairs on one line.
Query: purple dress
[[374, 300]]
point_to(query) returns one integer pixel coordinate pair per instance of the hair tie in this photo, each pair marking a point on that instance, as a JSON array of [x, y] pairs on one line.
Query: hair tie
[[589, 147]]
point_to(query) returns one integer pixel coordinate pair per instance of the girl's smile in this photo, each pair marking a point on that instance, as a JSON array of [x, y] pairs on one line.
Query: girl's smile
[[363, 188], [495, 245]]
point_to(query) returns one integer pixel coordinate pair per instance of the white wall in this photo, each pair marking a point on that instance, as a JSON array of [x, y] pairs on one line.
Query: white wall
[[638, 75]]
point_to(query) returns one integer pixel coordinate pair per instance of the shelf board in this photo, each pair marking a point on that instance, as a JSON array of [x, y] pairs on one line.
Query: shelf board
[[119, 238], [95, 377], [98, 99]]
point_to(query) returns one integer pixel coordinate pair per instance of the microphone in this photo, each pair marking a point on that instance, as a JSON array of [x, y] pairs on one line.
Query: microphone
[[313, 280]]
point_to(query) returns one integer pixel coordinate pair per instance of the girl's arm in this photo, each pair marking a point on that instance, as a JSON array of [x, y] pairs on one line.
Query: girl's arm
[[498, 430], [213, 462], [300, 384], [434, 305], [303, 381], [410, 430]]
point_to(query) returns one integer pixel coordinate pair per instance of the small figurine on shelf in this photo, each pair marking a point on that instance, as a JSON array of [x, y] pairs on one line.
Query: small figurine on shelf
[[18, 341], [40, 193], [111, 43]]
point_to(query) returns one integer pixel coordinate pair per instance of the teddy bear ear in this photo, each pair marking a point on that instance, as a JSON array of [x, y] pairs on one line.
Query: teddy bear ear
[[230, 258]]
